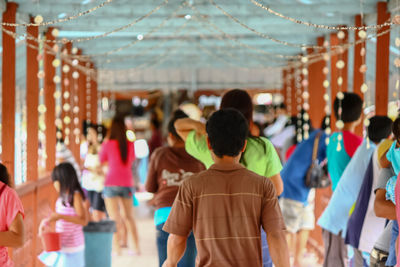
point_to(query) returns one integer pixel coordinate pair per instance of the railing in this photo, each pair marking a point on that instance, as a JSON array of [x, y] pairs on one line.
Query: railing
[[38, 199]]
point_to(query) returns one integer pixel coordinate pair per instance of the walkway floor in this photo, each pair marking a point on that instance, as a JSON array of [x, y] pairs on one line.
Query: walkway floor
[[147, 236]]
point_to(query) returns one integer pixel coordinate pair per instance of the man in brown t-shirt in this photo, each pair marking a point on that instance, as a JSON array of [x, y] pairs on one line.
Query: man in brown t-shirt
[[168, 167], [227, 205]]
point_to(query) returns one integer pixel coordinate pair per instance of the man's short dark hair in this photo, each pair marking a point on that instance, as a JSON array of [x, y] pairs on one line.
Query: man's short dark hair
[[396, 128], [379, 128], [351, 107], [178, 114], [227, 131]]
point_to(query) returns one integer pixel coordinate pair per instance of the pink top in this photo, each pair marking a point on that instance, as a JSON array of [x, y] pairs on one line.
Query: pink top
[[119, 173], [71, 233], [10, 206]]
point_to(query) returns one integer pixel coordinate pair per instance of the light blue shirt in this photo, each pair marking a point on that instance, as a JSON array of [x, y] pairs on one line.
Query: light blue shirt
[[161, 215], [335, 217]]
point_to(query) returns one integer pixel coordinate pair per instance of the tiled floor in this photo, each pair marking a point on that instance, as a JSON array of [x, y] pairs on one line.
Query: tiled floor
[[147, 236]]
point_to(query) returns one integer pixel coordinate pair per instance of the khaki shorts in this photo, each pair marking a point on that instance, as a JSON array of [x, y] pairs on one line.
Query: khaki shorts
[[297, 216]]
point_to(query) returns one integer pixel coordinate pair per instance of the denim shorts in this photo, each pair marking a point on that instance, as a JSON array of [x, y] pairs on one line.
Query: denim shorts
[[117, 191]]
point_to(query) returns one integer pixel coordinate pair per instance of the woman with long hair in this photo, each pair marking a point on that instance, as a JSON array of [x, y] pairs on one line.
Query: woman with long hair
[[118, 153], [260, 155], [11, 218]]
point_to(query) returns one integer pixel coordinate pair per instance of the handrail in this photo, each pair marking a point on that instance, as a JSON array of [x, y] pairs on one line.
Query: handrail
[[30, 186]]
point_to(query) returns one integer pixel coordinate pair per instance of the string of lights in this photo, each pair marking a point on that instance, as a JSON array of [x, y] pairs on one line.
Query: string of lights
[[266, 36], [147, 50], [320, 26], [140, 38], [131, 24], [38, 21]]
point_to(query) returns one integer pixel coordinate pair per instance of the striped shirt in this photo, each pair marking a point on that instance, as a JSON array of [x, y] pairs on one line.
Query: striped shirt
[[72, 238], [226, 206]]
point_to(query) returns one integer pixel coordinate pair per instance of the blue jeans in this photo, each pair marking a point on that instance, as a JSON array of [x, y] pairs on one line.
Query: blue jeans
[[266, 258], [391, 260], [188, 259], [117, 191]]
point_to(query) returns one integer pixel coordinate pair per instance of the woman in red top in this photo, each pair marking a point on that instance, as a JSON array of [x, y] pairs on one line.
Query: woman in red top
[[11, 218], [118, 153]]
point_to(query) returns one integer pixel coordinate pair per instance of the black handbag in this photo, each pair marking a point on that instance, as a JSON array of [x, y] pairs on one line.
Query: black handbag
[[317, 175]]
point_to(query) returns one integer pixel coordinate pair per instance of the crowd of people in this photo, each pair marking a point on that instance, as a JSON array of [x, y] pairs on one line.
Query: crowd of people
[[231, 191]]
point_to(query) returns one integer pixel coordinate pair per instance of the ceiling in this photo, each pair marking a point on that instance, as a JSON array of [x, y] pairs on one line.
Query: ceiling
[[195, 43]]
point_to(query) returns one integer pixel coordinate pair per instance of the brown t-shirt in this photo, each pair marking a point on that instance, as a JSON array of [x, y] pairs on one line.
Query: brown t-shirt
[[226, 207], [169, 166]]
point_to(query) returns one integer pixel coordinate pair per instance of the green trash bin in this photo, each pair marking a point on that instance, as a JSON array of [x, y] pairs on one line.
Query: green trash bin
[[98, 243]]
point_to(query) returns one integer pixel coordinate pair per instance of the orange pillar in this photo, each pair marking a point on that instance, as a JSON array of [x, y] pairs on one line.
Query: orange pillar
[[359, 60], [382, 63], [32, 103], [8, 91], [316, 78], [336, 73], [49, 89], [93, 98]]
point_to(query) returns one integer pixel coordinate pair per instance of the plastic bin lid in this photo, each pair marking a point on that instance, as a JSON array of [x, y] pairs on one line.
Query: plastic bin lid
[[102, 226]]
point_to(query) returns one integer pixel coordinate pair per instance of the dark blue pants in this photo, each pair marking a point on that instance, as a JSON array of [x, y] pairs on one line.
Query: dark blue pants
[[266, 258], [188, 259]]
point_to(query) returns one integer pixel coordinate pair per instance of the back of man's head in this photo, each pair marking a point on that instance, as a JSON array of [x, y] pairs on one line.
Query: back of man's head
[[178, 114], [351, 107], [227, 131], [379, 128]]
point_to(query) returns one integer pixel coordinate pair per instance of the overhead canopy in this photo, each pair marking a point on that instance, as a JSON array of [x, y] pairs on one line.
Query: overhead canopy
[[195, 43]]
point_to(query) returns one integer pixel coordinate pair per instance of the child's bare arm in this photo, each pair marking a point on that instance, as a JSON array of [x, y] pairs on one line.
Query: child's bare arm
[[14, 237], [81, 212]]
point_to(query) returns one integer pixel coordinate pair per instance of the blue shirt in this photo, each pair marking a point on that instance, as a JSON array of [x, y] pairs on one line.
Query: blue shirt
[[161, 215], [336, 214], [295, 170]]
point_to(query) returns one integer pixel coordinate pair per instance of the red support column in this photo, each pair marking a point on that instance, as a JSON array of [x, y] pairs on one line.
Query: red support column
[[336, 73], [382, 63], [49, 89], [82, 96], [32, 103], [316, 78], [8, 91], [359, 60]]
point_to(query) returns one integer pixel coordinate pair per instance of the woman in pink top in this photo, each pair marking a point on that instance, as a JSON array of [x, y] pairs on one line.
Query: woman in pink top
[[119, 155], [11, 218]]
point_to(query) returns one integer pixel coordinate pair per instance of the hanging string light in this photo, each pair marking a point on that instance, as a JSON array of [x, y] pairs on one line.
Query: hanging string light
[[42, 107], [67, 101], [57, 93], [288, 82], [99, 116], [38, 21], [88, 96], [75, 101], [326, 85], [340, 65], [85, 39], [321, 26], [298, 102], [306, 106]]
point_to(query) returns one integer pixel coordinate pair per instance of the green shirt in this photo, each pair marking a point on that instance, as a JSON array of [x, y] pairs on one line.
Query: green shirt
[[260, 155]]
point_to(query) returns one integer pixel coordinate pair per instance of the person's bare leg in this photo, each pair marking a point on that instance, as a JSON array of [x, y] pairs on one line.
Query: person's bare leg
[[301, 242], [114, 213], [129, 219], [98, 215]]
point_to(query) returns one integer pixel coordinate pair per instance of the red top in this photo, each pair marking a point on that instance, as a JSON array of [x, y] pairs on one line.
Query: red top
[[10, 206], [119, 172]]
